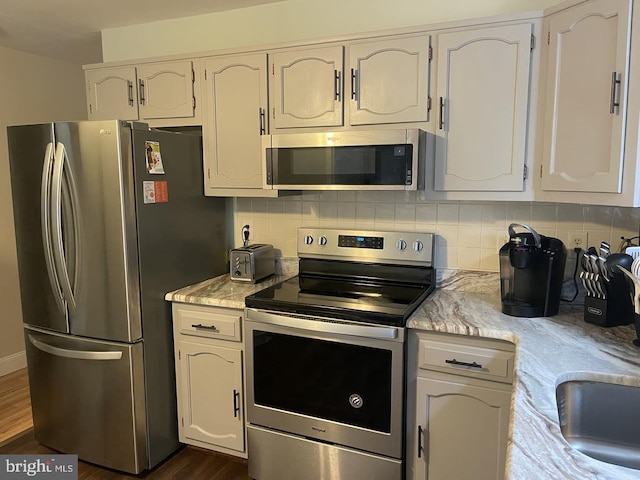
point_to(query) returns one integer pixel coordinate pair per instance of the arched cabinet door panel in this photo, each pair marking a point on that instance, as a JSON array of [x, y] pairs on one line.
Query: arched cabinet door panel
[[307, 88], [482, 109], [586, 97], [388, 80]]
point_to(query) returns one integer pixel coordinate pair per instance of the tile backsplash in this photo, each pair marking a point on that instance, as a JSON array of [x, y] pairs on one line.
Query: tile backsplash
[[469, 233]]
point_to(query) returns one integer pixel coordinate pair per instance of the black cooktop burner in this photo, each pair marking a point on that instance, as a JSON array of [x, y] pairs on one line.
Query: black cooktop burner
[[380, 294]]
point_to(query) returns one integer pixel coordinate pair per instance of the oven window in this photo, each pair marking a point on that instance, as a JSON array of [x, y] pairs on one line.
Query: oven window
[[340, 382], [353, 165]]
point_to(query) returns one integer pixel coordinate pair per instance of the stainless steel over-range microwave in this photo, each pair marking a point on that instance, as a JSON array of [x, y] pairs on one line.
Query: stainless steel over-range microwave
[[362, 160]]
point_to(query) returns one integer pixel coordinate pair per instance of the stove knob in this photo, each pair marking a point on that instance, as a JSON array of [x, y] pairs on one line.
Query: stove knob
[[401, 244], [308, 240], [418, 246], [322, 240]]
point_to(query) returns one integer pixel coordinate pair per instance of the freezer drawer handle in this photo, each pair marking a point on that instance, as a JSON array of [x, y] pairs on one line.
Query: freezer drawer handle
[[205, 327], [79, 354], [463, 364]]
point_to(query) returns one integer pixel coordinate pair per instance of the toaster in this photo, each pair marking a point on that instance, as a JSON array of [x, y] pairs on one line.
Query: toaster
[[252, 263]]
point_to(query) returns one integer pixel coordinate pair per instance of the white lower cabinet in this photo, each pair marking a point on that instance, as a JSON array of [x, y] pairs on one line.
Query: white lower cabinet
[[459, 407], [209, 375]]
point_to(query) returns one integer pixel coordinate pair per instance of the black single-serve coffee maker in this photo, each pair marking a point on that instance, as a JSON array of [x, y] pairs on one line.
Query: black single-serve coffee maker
[[531, 273]]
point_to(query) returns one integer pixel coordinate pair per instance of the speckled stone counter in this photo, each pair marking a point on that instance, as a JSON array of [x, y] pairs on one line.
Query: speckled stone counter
[[548, 352], [223, 292]]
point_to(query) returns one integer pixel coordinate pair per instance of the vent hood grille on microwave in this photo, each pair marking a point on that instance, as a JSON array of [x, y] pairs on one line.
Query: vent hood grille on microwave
[[370, 160]]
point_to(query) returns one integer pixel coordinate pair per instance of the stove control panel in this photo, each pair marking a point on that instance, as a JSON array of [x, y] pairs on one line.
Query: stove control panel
[[411, 248]]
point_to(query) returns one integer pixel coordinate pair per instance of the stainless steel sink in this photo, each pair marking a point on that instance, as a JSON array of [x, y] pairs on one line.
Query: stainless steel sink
[[601, 420]]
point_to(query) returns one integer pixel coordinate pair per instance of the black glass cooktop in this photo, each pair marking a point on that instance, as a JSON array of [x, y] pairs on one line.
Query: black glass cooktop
[[382, 295]]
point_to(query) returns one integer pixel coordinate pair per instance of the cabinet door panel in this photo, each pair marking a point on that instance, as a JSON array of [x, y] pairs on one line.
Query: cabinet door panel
[[307, 88], [390, 81], [211, 394], [465, 430], [166, 90], [584, 136], [112, 93], [483, 89], [236, 97]]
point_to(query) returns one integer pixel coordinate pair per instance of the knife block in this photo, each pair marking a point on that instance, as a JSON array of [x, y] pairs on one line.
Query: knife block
[[615, 310]]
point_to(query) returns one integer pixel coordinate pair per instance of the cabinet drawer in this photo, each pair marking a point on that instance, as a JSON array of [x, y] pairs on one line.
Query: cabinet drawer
[[208, 322], [469, 360]]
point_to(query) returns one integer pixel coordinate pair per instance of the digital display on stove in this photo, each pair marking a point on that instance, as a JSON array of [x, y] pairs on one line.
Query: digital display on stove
[[356, 241]]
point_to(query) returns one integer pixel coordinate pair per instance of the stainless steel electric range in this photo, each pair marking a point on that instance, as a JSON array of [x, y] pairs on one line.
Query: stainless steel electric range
[[326, 357]]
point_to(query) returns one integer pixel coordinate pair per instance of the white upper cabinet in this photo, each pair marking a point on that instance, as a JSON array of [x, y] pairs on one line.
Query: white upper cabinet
[[586, 97], [163, 91], [112, 93], [307, 88], [482, 100], [235, 118], [389, 80]]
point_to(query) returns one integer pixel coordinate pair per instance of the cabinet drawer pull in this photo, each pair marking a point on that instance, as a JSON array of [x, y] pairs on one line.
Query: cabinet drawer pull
[[205, 327], [337, 80], [441, 123], [420, 434], [463, 364], [614, 102], [236, 403]]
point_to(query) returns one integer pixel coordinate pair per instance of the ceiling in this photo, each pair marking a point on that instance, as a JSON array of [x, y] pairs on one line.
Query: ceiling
[[70, 29]]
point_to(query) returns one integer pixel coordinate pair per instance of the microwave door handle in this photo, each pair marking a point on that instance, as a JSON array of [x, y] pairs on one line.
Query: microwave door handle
[[56, 224], [45, 225]]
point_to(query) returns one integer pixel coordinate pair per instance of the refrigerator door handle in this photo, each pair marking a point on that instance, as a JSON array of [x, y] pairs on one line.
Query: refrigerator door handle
[[77, 354], [59, 174], [45, 222]]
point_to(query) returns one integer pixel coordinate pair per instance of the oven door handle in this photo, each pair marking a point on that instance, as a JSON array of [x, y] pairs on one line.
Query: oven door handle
[[318, 325]]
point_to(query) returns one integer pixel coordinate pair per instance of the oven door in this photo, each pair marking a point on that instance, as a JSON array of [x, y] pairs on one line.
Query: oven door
[[336, 382]]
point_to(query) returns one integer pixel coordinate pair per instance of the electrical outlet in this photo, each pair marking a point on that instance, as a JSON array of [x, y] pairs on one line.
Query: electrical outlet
[[577, 240]]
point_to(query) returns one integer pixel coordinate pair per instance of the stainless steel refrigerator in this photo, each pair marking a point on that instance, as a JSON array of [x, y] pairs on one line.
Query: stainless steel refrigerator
[[109, 216]]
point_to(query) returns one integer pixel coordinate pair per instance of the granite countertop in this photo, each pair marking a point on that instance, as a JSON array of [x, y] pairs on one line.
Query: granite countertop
[[222, 292], [548, 352]]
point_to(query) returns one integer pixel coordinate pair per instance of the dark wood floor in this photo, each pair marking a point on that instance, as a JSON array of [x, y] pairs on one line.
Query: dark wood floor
[[188, 463]]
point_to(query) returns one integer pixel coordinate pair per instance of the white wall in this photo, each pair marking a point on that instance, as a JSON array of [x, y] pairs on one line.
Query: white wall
[[33, 89], [293, 20]]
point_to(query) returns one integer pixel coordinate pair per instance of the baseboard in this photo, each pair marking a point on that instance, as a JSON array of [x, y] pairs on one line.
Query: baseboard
[[12, 363]]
